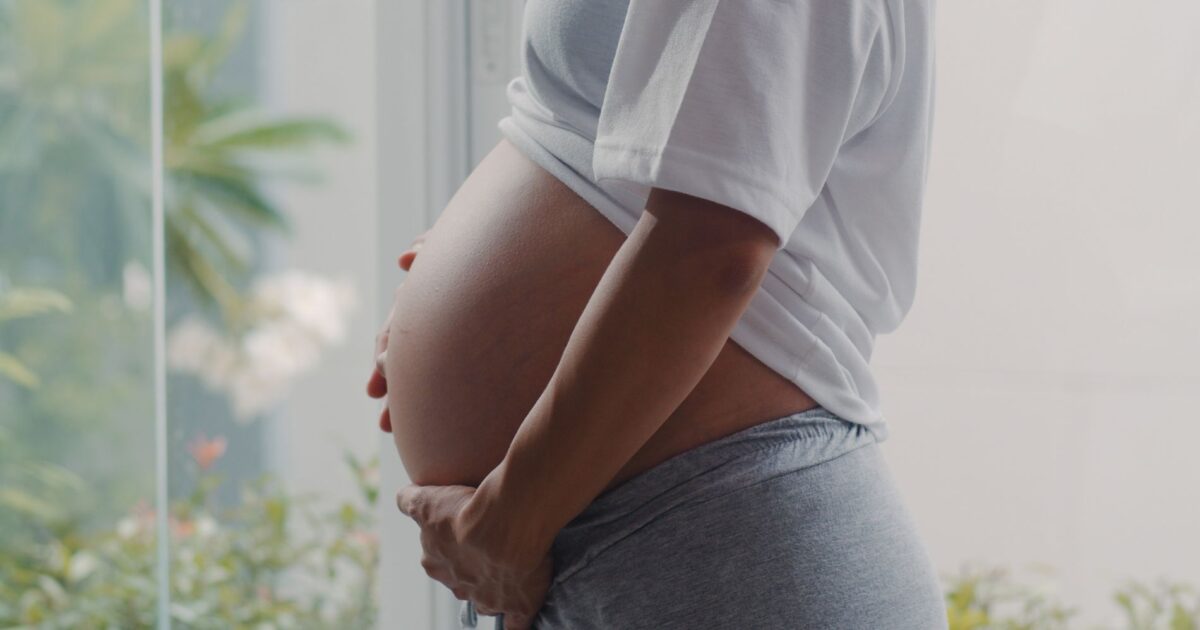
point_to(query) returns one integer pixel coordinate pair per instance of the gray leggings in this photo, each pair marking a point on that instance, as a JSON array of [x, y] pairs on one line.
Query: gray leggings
[[792, 523]]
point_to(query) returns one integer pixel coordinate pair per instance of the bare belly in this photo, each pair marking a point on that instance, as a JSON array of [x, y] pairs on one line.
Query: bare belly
[[485, 312]]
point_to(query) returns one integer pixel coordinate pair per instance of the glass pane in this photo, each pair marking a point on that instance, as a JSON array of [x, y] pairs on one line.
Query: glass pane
[[77, 427], [271, 264]]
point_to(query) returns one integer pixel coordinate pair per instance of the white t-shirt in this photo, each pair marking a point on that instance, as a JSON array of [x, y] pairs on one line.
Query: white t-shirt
[[812, 116]]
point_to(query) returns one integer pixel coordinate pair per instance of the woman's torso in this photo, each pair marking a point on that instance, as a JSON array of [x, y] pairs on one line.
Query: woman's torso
[[485, 313]]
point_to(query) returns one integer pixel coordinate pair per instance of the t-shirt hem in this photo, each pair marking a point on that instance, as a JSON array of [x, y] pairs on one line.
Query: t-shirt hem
[[751, 331]]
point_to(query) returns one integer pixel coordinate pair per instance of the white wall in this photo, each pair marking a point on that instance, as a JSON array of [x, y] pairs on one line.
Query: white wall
[[1044, 390]]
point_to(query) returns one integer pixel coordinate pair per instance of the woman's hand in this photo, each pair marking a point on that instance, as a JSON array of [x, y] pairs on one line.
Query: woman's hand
[[473, 553], [377, 384]]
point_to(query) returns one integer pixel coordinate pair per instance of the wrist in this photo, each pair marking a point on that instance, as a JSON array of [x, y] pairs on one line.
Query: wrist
[[495, 519]]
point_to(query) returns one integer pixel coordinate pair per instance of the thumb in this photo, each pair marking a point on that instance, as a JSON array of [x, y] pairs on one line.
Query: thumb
[[411, 501]]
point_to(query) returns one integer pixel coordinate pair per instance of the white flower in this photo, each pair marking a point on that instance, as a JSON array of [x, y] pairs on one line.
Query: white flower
[[189, 344], [316, 304], [220, 363], [281, 349], [206, 526], [253, 391], [82, 565], [127, 527], [137, 286], [298, 315]]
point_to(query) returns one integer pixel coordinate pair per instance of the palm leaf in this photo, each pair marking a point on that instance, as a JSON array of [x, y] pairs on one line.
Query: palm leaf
[[16, 371], [185, 108], [25, 503], [198, 270], [98, 19], [218, 47], [255, 130], [189, 161], [182, 50], [216, 239], [18, 303], [236, 195]]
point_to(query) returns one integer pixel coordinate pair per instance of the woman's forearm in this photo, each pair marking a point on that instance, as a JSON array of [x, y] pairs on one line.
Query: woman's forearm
[[654, 325]]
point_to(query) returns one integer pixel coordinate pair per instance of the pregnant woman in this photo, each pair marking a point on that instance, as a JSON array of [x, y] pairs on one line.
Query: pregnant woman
[[627, 371]]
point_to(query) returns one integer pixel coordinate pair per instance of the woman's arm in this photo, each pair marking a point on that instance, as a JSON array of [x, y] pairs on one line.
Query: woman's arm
[[657, 320]]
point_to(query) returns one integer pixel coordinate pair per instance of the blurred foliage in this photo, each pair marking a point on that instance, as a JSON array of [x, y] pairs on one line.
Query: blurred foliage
[[215, 159], [988, 599], [76, 388], [991, 598], [272, 560], [75, 179], [90, 398], [16, 303], [1163, 604], [74, 95]]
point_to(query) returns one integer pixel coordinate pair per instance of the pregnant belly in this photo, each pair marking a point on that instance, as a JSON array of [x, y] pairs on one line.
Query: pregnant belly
[[486, 310]]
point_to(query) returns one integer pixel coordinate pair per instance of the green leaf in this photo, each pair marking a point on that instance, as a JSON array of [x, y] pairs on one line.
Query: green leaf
[[54, 478], [233, 26], [191, 161], [18, 303], [197, 269], [1181, 619], [97, 18], [236, 195], [23, 502], [219, 241], [16, 371], [181, 50], [185, 108], [256, 130]]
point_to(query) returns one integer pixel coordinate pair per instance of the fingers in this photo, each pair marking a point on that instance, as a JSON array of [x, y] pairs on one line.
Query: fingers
[[377, 384], [385, 420], [407, 258], [411, 501], [381, 339], [381, 362]]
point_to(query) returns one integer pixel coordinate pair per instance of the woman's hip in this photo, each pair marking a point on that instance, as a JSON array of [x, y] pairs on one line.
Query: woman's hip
[[794, 523]]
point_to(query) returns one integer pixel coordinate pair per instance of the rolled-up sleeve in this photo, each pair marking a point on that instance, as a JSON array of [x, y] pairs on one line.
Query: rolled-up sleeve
[[742, 102]]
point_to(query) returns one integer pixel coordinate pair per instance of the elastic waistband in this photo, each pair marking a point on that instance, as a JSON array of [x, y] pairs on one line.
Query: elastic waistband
[[759, 452]]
